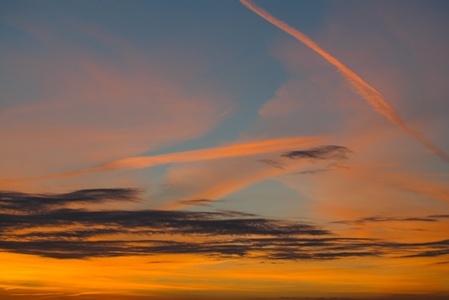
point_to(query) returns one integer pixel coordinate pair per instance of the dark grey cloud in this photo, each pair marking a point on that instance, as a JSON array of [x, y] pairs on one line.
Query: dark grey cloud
[[273, 163], [46, 229], [320, 153], [438, 216], [17, 202], [380, 219]]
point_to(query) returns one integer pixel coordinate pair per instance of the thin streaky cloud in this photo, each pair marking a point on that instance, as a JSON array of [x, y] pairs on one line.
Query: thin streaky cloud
[[379, 219], [369, 93], [244, 149], [227, 186], [236, 150]]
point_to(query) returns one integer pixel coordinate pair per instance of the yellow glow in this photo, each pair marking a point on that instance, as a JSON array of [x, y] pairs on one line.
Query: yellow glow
[[175, 276]]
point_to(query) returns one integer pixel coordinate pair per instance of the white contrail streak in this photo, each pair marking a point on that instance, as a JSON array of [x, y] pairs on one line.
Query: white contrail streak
[[369, 93]]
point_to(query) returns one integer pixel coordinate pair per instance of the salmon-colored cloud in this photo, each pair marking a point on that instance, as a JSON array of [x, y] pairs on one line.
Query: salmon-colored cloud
[[94, 108], [236, 150], [369, 93], [225, 178], [241, 149], [217, 180]]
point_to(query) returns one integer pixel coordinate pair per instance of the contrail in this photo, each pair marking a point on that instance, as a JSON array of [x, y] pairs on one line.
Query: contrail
[[373, 96], [242, 149]]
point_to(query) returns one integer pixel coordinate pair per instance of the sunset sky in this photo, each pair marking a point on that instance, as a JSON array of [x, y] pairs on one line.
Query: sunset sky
[[289, 149]]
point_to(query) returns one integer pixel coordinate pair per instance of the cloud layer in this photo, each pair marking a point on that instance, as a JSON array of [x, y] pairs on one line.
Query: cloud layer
[[44, 225]]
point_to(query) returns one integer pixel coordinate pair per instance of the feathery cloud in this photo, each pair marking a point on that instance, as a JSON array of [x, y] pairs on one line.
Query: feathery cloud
[[369, 93]]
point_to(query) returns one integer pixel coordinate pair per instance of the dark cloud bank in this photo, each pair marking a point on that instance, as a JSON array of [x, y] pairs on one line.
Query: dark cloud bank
[[43, 224]]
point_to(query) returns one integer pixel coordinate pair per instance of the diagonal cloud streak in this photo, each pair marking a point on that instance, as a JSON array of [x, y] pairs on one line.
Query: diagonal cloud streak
[[244, 149], [236, 150], [225, 187], [369, 93]]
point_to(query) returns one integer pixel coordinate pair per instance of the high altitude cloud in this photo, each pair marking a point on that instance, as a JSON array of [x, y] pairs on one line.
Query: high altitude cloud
[[235, 150], [217, 186], [94, 107], [369, 93], [56, 231]]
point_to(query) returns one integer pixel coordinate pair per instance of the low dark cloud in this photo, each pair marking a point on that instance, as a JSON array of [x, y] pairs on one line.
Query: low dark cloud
[[438, 216], [16, 202], [273, 163], [44, 225], [320, 153], [379, 219]]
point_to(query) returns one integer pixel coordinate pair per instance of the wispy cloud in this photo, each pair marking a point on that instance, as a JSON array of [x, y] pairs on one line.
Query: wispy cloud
[[291, 161], [236, 150], [242, 149], [96, 107], [369, 93]]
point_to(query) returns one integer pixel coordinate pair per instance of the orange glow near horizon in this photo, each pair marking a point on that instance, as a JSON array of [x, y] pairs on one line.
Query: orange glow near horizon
[[163, 277]]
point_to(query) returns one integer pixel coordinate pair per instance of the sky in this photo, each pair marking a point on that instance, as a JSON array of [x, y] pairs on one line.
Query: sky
[[224, 149]]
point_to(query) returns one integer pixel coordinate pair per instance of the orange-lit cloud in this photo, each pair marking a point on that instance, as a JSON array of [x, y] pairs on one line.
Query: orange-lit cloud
[[237, 150], [242, 149], [362, 189], [96, 109], [369, 93], [224, 178]]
